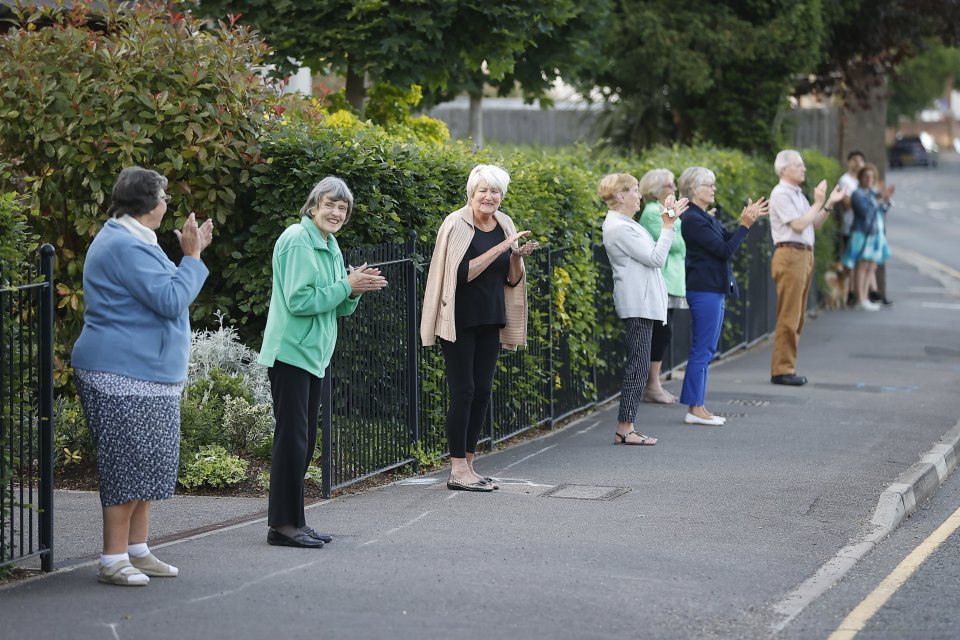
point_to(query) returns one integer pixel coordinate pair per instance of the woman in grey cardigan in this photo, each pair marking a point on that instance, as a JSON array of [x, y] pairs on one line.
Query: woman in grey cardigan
[[639, 292]]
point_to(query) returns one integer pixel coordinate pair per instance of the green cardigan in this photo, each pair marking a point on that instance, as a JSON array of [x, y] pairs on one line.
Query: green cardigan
[[673, 271], [310, 290]]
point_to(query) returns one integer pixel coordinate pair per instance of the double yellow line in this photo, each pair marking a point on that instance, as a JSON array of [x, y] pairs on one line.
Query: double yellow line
[[858, 618]]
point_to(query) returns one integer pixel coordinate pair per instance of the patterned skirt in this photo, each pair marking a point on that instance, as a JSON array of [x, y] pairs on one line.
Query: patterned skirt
[[135, 426], [868, 248]]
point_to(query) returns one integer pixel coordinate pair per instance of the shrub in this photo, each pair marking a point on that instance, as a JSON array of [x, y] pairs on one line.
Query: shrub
[[213, 466], [247, 427], [220, 350], [72, 442], [144, 86], [202, 408]]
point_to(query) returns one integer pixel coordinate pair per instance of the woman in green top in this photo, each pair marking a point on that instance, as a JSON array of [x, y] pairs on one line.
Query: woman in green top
[[655, 186], [311, 287]]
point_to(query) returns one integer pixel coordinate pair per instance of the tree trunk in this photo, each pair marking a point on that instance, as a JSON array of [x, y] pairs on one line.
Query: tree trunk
[[475, 128], [356, 91]]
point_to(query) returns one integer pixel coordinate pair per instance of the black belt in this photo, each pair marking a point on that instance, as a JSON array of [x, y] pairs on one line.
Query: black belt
[[795, 245]]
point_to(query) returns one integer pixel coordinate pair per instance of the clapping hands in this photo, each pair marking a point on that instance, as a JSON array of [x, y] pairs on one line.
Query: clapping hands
[[364, 279], [193, 238], [754, 210]]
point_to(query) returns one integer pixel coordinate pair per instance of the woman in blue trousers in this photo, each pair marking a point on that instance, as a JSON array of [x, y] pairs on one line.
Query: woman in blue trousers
[[710, 249]]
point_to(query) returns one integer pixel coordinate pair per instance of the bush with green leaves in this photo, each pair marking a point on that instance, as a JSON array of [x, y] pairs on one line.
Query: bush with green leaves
[[72, 444], [212, 466], [247, 427], [143, 85], [202, 407]]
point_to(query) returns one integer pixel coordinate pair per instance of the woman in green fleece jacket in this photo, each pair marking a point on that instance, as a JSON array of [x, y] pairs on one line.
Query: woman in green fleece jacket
[[311, 287]]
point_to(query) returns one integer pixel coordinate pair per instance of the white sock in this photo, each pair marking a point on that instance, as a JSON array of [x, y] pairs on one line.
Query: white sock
[[110, 559], [138, 550]]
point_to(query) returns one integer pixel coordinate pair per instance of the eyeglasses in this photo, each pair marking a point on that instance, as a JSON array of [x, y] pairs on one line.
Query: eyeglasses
[[166, 198]]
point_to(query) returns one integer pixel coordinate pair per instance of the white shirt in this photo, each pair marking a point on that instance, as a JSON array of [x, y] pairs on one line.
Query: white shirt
[[787, 203], [849, 184], [141, 231]]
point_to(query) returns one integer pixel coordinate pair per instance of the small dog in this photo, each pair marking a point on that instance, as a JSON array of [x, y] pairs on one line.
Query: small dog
[[837, 280]]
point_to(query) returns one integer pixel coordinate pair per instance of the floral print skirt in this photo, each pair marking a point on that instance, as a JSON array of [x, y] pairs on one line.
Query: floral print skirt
[[135, 426]]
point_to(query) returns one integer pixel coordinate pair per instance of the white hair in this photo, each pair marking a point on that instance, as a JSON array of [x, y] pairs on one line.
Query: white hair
[[784, 159], [493, 175], [693, 178]]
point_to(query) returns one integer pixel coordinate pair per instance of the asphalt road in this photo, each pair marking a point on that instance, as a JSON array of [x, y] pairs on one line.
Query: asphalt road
[[701, 536]]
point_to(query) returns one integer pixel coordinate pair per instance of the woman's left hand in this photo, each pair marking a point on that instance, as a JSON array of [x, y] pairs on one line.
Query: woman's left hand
[[527, 248]]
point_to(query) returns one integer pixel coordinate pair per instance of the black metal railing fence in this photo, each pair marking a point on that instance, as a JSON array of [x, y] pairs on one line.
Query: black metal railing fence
[[26, 418], [386, 397]]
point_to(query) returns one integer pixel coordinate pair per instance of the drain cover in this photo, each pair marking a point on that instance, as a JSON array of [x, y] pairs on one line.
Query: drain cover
[[749, 403], [584, 492]]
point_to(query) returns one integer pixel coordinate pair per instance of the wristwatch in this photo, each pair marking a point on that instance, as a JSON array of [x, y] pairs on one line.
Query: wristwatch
[[671, 212]]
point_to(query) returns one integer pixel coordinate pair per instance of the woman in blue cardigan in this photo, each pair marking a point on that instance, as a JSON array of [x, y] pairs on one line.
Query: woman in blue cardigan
[[710, 249], [130, 365]]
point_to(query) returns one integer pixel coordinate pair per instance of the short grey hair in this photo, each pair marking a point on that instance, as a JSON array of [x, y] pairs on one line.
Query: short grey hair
[[493, 175], [333, 187], [784, 159], [651, 184], [136, 192], [693, 178]]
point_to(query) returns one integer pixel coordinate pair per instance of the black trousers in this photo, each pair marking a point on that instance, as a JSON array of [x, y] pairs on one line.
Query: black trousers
[[471, 363], [296, 407], [662, 332]]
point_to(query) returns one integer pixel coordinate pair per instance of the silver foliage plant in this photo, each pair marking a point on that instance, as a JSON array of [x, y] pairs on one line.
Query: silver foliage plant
[[222, 349]]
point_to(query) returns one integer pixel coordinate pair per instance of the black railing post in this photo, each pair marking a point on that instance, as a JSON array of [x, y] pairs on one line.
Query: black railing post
[[46, 408], [413, 349], [548, 284], [326, 432]]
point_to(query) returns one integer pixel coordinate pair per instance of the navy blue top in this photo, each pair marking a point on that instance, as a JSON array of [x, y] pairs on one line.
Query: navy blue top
[[710, 249]]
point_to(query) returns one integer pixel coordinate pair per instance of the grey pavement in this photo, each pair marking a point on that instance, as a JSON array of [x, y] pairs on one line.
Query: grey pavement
[[702, 535]]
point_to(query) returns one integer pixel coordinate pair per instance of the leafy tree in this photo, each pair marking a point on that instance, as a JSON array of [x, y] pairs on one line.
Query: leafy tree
[[720, 71], [522, 45], [399, 41], [143, 87], [922, 79], [868, 40]]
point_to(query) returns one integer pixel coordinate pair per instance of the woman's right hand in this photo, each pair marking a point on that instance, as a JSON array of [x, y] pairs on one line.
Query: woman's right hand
[[364, 279]]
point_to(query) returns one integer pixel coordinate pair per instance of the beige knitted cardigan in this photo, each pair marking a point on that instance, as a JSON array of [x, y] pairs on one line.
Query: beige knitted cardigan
[[437, 318]]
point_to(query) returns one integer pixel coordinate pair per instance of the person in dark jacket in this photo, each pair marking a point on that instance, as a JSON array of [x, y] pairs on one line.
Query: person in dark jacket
[[710, 280]]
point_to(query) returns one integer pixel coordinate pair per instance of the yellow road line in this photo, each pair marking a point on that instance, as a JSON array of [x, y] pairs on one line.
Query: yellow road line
[[918, 259], [858, 618]]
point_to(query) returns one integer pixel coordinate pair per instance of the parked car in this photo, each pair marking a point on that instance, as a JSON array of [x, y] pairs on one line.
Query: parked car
[[913, 151]]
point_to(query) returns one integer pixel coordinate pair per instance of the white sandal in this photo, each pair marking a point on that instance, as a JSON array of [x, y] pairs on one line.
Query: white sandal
[[122, 573]]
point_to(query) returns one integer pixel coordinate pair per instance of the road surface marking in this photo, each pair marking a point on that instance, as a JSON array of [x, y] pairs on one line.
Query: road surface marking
[[526, 458], [859, 617], [941, 305], [587, 428]]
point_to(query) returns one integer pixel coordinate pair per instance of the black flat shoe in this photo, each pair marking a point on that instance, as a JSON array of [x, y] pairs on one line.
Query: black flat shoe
[[323, 537], [300, 539], [789, 379]]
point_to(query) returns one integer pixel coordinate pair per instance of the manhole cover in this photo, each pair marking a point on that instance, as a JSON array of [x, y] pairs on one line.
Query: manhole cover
[[584, 492], [749, 403]]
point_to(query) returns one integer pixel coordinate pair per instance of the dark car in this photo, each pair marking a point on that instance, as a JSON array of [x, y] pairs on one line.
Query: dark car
[[913, 151]]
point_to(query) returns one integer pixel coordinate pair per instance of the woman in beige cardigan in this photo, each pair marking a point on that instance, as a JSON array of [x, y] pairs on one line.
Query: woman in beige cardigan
[[475, 301]]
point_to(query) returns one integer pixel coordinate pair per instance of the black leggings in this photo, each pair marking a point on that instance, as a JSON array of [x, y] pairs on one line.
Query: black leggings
[[296, 406], [471, 362], [661, 338]]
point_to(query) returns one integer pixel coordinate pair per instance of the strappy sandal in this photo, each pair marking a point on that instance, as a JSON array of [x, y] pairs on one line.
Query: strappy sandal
[[644, 439], [154, 567], [120, 573]]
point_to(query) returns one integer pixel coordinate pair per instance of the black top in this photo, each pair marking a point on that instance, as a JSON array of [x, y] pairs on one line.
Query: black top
[[480, 301]]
